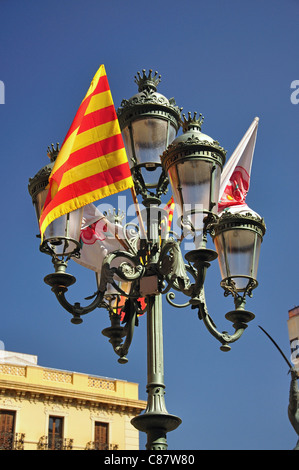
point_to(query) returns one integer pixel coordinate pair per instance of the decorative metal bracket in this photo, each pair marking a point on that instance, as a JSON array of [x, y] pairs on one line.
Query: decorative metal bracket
[[172, 266], [176, 275], [116, 332], [59, 282], [127, 271], [240, 317]]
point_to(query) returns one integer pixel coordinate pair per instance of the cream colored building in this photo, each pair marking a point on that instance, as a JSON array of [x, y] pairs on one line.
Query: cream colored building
[[42, 408]]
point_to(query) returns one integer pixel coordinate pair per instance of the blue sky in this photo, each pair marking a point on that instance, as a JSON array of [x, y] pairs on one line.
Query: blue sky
[[230, 61]]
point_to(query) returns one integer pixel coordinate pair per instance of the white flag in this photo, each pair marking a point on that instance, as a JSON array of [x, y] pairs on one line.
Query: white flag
[[235, 178], [98, 237]]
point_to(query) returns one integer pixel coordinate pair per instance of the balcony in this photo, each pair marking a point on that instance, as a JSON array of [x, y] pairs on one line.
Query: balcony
[[16, 441], [11, 441], [94, 445], [58, 443]]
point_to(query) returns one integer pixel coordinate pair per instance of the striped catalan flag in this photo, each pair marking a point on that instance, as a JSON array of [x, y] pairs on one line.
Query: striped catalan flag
[[166, 223], [170, 209], [92, 163]]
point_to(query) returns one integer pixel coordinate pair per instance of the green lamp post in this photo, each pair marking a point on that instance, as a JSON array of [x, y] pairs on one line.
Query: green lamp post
[[152, 264]]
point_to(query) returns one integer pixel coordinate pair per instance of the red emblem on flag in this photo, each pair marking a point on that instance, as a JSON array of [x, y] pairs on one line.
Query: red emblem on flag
[[236, 191], [96, 231]]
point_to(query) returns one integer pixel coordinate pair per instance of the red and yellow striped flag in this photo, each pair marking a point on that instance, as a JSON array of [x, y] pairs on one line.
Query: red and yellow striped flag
[[170, 209], [167, 221], [92, 162]]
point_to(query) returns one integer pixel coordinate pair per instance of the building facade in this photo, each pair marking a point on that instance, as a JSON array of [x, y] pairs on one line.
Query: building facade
[[51, 409]]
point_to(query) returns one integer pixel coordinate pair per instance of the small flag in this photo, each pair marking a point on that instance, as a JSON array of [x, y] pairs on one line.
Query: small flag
[[99, 237], [235, 178], [92, 162], [166, 224]]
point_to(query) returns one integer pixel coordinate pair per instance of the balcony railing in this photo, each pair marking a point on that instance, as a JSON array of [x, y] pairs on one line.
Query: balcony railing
[[11, 441], [57, 443], [16, 441], [94, 445]]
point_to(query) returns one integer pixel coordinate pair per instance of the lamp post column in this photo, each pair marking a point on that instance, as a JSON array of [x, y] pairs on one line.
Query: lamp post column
[[156, 421]]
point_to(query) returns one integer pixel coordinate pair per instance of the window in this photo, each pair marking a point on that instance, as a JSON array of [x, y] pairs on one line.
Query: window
[[101, 441], [7, 427], [55, 433]]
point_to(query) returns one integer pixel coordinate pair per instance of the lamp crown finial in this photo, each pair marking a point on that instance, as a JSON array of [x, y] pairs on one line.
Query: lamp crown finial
[[147, 82], [53, 152], [192, 122], [114, 216]]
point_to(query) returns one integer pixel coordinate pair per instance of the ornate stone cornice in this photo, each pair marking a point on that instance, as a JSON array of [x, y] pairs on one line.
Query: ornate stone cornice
[[20, 391]]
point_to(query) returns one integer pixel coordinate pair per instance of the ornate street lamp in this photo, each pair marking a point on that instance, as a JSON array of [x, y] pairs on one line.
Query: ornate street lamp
[[194, 162], [62, 236], [149, 123], [238, 239], [151, 264]]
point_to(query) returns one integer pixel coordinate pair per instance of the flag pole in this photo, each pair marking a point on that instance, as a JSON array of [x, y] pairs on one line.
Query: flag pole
[[138, 213], [118, 238]]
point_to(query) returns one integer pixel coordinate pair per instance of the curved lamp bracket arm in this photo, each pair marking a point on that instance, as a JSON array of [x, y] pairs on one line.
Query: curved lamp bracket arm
[[170, 296], [76, 309], [59, 281], [239, 317]]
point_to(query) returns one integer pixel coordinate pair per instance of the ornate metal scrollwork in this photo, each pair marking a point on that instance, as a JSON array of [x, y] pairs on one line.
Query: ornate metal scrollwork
[[172, 266], [170, 296], [127, 271], [132, 236]]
